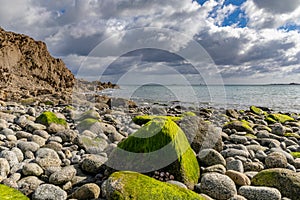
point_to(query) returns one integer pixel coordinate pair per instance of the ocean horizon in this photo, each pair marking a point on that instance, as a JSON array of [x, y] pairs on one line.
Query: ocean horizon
[[278, 97]]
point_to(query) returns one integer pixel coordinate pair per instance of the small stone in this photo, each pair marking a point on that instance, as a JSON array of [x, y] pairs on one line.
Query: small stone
[[215, 168], [31, 111], [46, 157], [7, 131], [42, 133], [278, 129], [10, 156], [237, 139], [93, 163], [28, 146], [4, 167], [261, 193], [87, 191], [28, 184], [276, 160], [253, 166], [209, 157], [38, 139], [10, 182], [238, 177], [29, 155], [231, 152], [32, 169], [11, 138], [235, 165], [49, 192], [23, 134], [218, 186], [63, 176]]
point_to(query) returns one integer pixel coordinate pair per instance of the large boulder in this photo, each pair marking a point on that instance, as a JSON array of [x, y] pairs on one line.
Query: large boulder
[[200, 134], [286, 181], [160, 143], [132, 185]]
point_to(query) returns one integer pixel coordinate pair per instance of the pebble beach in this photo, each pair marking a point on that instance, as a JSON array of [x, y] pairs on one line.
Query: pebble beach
[[241, 154]]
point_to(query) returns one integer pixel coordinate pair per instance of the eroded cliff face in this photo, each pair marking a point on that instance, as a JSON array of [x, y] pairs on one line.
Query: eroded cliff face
[[28, 70]]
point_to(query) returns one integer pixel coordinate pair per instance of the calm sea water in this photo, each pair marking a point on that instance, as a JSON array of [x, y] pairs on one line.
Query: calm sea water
[[285, 98]]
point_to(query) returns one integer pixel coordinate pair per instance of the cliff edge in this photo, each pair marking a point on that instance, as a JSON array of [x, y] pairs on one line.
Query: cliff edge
[[28, 70]]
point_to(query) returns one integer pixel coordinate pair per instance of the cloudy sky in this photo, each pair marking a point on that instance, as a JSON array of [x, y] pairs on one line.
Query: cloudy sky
[[236, 41]]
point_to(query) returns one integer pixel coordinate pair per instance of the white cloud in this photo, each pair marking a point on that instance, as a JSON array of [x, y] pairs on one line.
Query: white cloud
[[73, 28]]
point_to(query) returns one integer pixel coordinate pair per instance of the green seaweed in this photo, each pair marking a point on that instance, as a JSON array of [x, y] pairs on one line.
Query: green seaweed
[[8, 193], [134, 186], [47, 118]]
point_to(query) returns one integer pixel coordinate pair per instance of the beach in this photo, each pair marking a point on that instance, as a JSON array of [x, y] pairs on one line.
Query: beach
[[235, 149]]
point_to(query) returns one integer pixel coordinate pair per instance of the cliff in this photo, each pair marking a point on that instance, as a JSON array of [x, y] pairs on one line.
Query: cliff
[[28, 70]]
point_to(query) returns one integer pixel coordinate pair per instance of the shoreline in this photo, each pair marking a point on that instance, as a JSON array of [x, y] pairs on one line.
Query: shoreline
[[80, 147]]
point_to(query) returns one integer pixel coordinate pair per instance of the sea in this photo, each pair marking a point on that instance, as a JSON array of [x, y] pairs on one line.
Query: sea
[[281, 98]]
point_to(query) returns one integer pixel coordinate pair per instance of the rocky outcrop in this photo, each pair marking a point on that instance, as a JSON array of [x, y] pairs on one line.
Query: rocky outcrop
[[28, 70]]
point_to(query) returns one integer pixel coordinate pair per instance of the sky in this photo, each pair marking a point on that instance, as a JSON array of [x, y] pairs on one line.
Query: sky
[[174, 41]]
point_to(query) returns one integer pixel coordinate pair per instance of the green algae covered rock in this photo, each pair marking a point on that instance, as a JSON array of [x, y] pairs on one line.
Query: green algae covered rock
[[256, 110], [279, 118], [90, 124], [47, 118], [286, 181], [7, 193], [295, 154], [127, 185], [90, 114], [295, 135], [140, 120], [242, 126], [160, 143]]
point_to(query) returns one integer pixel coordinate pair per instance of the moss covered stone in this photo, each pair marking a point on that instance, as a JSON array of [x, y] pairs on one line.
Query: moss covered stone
[[90, 114], [295, 154], [295, 135], [143, 119], [280, 118], [242, 126], [88, 124], [270, 120], [127, 185], [47, 118], [7, 193], [256, 110], [286, 181], [160, 143]]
